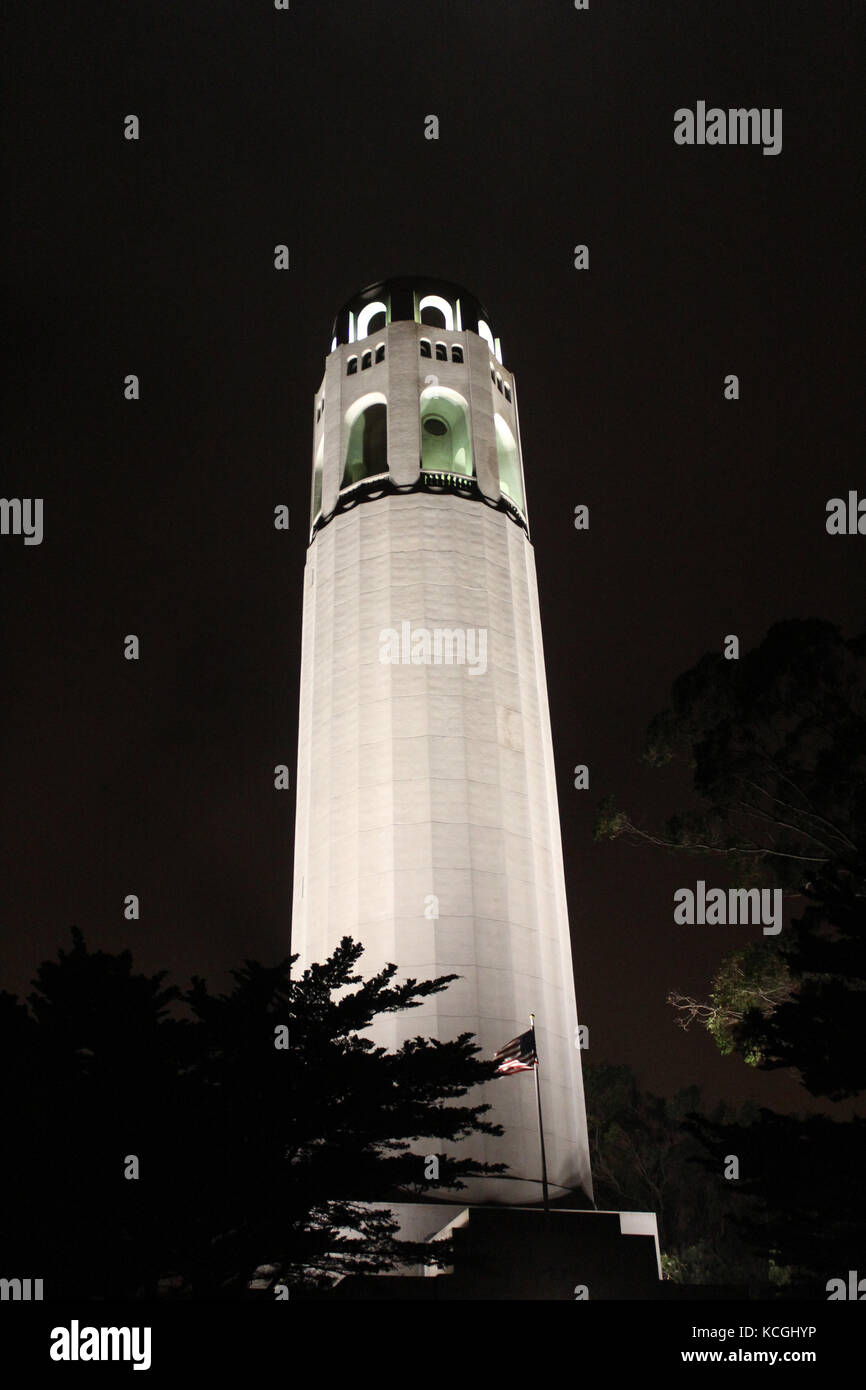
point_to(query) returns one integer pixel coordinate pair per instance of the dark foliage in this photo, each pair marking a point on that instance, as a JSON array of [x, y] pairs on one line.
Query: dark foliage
[[776, 745], [250, 1154]]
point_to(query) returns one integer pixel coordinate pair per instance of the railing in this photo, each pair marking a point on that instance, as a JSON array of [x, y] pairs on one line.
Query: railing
[[371, 489]]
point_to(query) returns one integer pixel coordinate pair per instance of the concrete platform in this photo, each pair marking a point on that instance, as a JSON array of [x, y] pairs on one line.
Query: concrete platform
[[523, 1253]]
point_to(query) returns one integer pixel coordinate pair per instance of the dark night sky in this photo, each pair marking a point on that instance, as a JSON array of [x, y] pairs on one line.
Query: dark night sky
[[306, 127]]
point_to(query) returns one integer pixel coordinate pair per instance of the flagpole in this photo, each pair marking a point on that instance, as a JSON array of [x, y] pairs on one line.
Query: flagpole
[[544, 1189]]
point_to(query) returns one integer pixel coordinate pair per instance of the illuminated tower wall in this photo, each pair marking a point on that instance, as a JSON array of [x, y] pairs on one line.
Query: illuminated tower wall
[[427, 786]]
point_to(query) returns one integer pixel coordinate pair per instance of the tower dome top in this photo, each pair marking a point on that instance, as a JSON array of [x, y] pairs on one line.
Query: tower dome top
[[421, 298]]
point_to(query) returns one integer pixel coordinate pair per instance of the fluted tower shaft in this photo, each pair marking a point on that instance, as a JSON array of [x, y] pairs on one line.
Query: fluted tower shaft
[[427, 819]]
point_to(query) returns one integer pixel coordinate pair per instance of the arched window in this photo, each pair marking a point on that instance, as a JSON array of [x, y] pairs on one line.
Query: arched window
[[441, 352], [367, 361], [380, 352], [372, 319], [498, 382], [351, 366], [446, 443], [485, 333], [367, 444], [433, 317], [317, 481], [456, 354], [436, 311], [509, 463], [425, 347], [508, 393]]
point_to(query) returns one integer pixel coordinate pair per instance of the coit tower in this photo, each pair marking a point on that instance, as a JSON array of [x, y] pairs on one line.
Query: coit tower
[[427, 823]]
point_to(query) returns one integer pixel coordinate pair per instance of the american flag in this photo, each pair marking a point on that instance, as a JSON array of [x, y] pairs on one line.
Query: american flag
[[517, 1055]]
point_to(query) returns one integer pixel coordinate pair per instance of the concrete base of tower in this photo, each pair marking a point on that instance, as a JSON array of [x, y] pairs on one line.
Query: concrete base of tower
[[522, 1253]]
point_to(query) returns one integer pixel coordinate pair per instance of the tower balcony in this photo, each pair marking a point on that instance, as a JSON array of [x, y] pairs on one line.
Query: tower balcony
[[415, 397]]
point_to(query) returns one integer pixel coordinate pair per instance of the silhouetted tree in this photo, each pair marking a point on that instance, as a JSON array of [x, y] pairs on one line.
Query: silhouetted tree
[[798, 1200], [248, 1153], [782, 1219], [312, 1132], [646, 1157], [776, 745]]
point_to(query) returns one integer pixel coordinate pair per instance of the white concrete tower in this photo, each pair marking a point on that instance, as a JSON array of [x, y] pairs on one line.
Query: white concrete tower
[[425, 764]]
